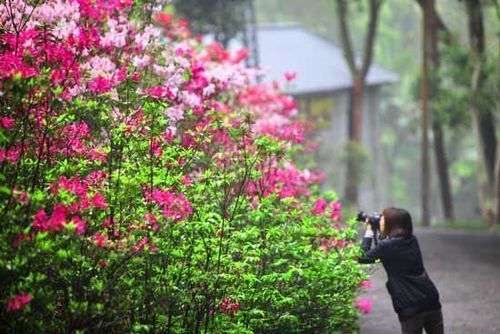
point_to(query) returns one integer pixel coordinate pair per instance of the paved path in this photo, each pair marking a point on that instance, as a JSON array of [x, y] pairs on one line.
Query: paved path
[[465, 266]]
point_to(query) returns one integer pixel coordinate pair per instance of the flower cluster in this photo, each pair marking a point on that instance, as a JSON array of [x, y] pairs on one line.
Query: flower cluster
[[228, 306], [177, 207], [151, 149]]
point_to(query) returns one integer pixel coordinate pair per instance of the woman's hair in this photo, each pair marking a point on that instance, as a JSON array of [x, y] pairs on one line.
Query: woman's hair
[[397, 222]]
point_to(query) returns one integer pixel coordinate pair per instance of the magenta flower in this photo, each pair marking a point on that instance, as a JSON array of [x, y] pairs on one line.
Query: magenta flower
[[338, 243], [80, 226], [319, 207], [99, 202], [364, 305], [7, 122], [289, 76], [18, 302], [100, 240], [366, 284], [100, 85]]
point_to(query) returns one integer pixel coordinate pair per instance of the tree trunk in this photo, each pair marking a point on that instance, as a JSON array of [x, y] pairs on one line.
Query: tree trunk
[[488, 136], [351, 185], [496, 200], [483, 119], [357, 102], [358, 74], [437, 128], [424, 94], [442, 169], [355, 129]]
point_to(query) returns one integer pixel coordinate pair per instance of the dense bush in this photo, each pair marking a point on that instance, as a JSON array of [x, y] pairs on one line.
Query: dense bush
[[147, 184]]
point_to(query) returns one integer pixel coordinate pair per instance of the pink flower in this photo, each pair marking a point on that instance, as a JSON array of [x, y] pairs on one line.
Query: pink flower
[[339, 243], [324, 245], [100, 239], [336, 215], [100, 85], [240, 55], [40, 221], [319, 207], [80, 226], [139, 245], [164, 19], [18, 302], [336, 206], [364, 305], [53, 223], [289, 76], [151, 219], [229, 307], [13, 155], [186, 180], [156, 148], [7, 122], [366, 284], [58, 217], [96, 155], [336, 210], [11, 65], [177, 207], [99, 202]]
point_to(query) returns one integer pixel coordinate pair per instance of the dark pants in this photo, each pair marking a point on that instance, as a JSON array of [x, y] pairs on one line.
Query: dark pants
[[431, 321]]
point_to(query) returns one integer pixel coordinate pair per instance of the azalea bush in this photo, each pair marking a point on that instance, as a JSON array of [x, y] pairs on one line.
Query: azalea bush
[[148, 184]]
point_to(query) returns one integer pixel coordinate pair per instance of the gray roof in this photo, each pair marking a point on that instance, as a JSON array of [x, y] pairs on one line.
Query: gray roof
[[319, 63]]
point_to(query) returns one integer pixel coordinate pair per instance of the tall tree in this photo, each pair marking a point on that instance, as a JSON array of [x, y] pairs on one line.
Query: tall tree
[[435, 25], [483, 118], [427, 26], [358, 71]]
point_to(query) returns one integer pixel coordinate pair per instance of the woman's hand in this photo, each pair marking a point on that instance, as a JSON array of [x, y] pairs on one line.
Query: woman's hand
[[369, 230], [368, 225]]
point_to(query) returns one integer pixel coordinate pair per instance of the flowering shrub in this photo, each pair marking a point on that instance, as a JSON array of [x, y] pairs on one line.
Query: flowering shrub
[[147, 184]]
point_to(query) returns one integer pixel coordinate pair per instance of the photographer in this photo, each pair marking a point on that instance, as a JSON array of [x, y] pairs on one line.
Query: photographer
[[414, 297]]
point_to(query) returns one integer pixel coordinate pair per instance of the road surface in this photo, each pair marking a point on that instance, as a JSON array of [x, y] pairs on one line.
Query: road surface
[[465, 266]]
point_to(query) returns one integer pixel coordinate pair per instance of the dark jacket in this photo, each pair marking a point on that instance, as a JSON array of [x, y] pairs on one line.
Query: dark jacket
[[411, 289]]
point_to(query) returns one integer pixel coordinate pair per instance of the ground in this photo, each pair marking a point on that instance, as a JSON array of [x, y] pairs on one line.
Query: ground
[[465, 266]]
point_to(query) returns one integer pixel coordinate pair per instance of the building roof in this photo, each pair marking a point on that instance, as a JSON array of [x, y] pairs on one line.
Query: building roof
[[319, 63]]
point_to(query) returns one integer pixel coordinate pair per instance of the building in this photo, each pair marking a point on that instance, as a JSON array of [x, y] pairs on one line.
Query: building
[[323, 90]]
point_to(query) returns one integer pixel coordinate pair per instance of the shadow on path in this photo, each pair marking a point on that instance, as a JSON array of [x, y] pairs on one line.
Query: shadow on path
[[465, 266]]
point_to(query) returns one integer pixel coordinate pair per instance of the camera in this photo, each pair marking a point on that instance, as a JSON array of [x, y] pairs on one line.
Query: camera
[[373, 219]]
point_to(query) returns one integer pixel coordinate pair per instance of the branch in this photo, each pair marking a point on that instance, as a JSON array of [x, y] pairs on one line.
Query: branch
[[372, 30], [345, 37], [440, 24]]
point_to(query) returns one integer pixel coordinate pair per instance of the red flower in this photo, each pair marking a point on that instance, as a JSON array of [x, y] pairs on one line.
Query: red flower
[[164, 19], [228, 306], [18, 302]]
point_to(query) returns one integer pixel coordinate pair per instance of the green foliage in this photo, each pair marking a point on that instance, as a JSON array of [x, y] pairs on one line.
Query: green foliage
[[359, 160], [266, 258], [222, 18]]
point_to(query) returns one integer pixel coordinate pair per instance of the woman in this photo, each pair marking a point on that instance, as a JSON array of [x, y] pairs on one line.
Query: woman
[[414, 296]]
